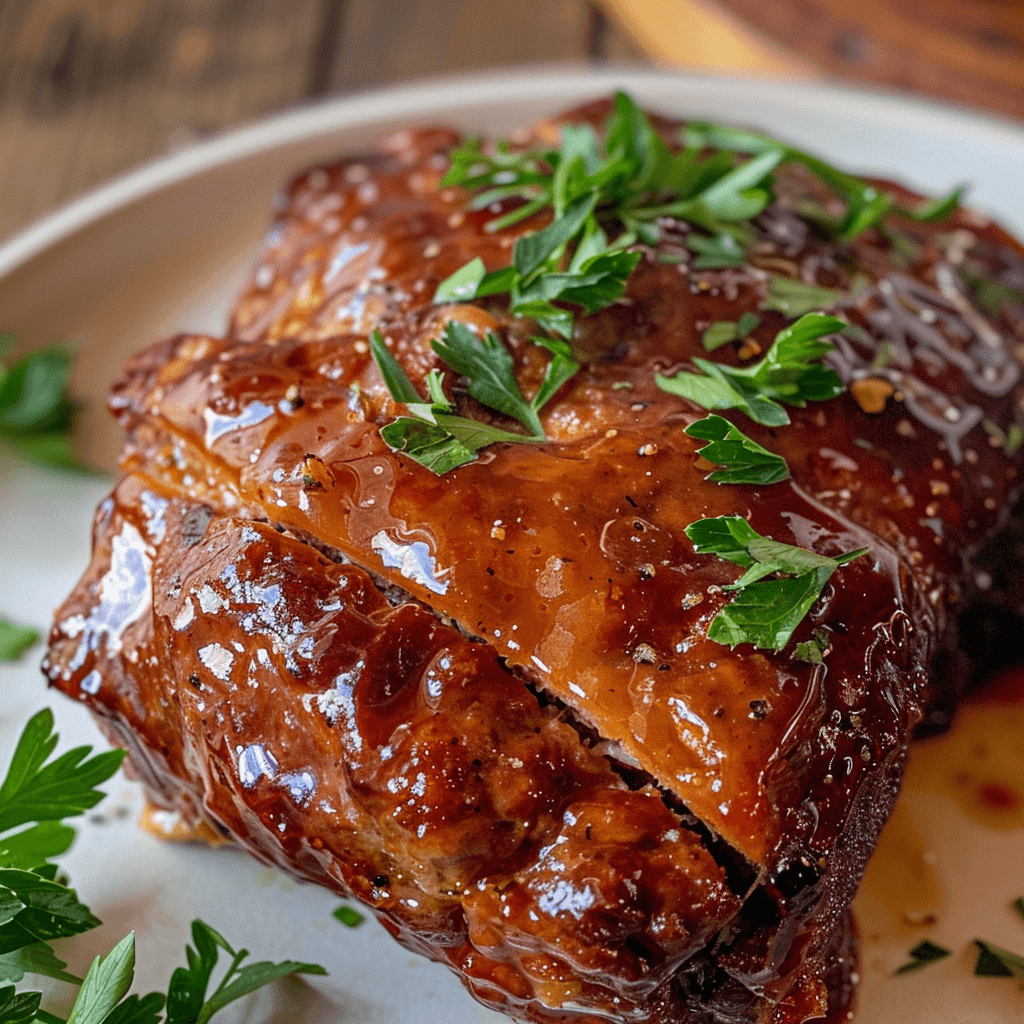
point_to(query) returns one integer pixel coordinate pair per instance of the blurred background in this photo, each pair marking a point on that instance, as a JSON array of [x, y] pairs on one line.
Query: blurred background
[[90, 88]]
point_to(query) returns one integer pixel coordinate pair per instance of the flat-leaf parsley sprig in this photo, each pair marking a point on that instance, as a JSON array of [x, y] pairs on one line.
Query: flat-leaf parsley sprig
[[434, 435], [44, 791], [187, 1001], [791, 372], [37, 907], [765, 612]]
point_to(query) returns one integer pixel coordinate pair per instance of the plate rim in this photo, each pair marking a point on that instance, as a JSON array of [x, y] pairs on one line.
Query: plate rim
[[430, 96]]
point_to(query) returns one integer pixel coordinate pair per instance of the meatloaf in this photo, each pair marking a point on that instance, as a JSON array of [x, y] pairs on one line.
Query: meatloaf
[[485, 701]]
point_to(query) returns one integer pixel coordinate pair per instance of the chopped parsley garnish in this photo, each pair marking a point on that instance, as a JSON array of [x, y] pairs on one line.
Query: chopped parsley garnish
[[35, 408], [866, 205], [619, 184], [1010, 440], [721, 332], [715, 253], [348, 916], [923, 954], [992, 961], [987, 292], [438, 438], [742, 459], [790, 373], [37, 907], [625, 181], [996, 962], [793, 298], [814, 650], [764, 612], [15, 640]]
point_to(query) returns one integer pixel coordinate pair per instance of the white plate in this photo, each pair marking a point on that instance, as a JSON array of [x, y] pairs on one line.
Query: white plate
[[164, 249]]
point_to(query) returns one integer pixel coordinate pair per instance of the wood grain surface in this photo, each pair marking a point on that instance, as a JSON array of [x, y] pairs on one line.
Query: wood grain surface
[[90, 88], [968, 51]]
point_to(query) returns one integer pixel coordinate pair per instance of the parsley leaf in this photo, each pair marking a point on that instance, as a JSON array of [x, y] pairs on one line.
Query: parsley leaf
[[790, 372], [33, 392], [561, 368], [36, 791], [932, 210], [137, 1010], [923, 954], [20, 1007], [34, 908], [36, 958], [446, 443], [33, 846], [866, 205], [792, 298], [35, 407], [471, 281], [101, 999], [500, 175], [721, 332], [487, 365], [437, 438], [348, 916], [533, 250], [991, 295], [187, 1002], [720, 251], [15, 640], [765, 612], [106, 984], [996, 962], [813, 650], [743, 459]]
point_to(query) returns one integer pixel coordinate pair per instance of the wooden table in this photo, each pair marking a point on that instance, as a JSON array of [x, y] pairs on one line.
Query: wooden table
[[90, 88]]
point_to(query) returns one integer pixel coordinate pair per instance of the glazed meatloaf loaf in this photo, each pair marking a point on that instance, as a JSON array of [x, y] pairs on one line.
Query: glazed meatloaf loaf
[[560, 549]]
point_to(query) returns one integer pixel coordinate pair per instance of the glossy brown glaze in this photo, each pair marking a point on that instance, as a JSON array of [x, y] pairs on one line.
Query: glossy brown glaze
[[587, 808]]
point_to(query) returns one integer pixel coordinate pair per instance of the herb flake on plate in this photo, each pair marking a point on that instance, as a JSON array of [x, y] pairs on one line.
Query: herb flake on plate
[[923, 954]]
